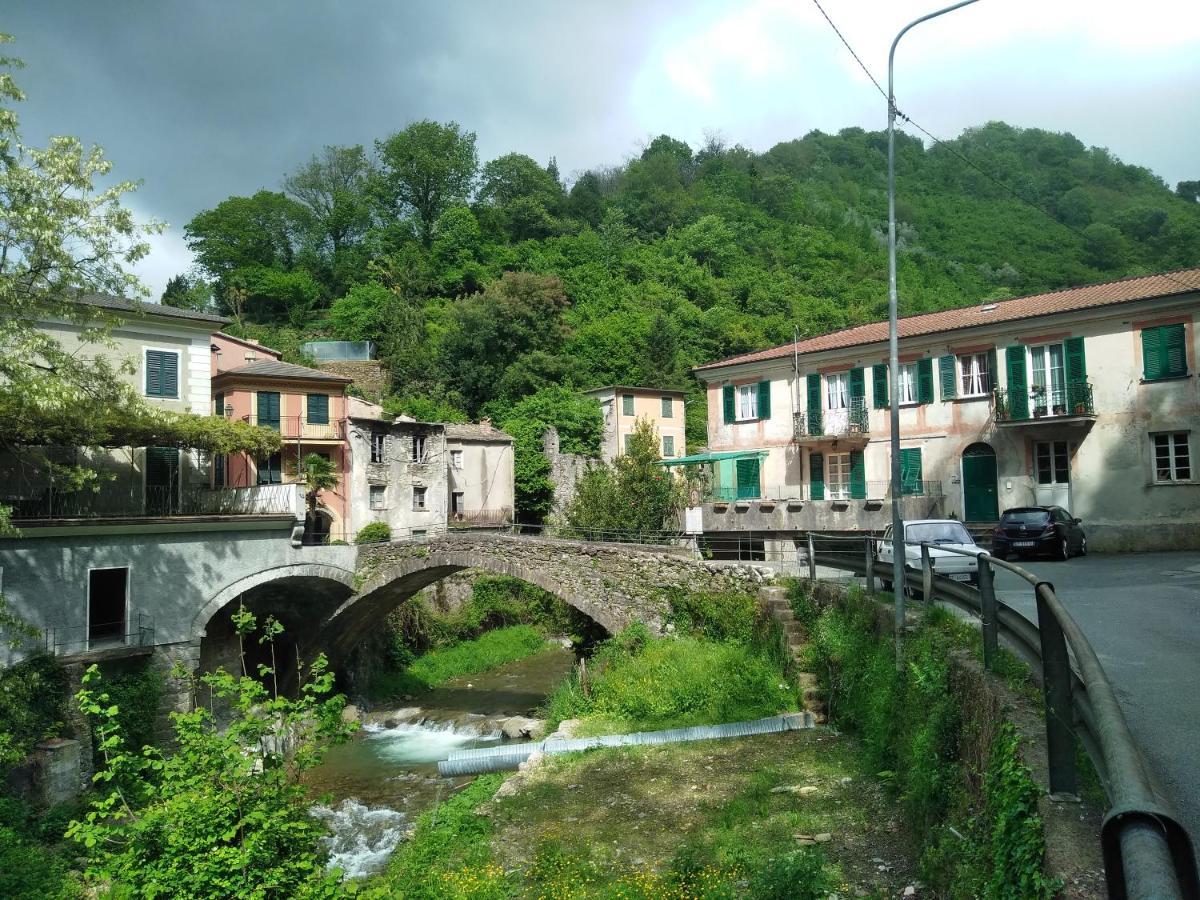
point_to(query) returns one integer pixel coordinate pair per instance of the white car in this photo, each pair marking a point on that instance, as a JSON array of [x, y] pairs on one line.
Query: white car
[[948, 533]]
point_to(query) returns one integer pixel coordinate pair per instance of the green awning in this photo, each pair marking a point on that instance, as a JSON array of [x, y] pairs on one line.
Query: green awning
[[700, 458]]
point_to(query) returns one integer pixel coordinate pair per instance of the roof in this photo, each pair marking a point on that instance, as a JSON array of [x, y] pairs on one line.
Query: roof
[[483, 431], [713, 457], [644, 390], [1108, 293], [273, 368], [248, 342], [120, 304]]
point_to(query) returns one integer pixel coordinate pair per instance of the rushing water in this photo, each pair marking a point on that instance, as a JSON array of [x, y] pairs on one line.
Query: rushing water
[[381, 780]]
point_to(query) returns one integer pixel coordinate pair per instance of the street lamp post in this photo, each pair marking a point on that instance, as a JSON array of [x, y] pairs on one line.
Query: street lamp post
[[898, 553]]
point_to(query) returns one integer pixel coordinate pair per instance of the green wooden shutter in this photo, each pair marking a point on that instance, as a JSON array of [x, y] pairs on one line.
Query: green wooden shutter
[[156, 374], [816, 476], [268, 409], [318, 409], [858, 389], [911, 475], [729, 403], [747, 479], [948, 377], [993, 372], [1076, 364], [170, 374], [815, 425], [879, 375], [764, 399], [858, 476], [925, 381], [219, 405], [1174, 344], [1153, 360], [1018, 383]]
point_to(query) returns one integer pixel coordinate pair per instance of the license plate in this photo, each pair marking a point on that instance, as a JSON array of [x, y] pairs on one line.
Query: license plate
[[960, 576], [1024, 543]]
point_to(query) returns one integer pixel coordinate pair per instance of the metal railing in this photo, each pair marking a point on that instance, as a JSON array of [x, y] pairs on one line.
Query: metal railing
[[157, 502], [1072, 399], [832, 423], [831, 491], [298, 428], [137, 631], [1147, 851]]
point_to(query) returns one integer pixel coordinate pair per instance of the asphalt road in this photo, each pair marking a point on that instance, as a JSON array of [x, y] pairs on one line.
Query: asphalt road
[[1141, 613]]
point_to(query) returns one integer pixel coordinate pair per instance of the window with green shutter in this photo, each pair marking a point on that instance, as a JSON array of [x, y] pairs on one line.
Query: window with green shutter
[[816, 476], [667, 408], [1164, 352], [1076, 363], [268, 409], [911, 476], [858, 476], [162, 373], [879, 378], [815, 425], [858, 389], [270, 469], [764, 399], [318, 409], [729, 404], [627, 404], [219, 405], [747, 479], [947, 375], [925, 381], [1018, 382]]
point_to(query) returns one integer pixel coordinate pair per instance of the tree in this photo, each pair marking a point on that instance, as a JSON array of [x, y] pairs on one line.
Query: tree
[[188, 292], [1188, 190], [426, 168], [333, 186], [1105, 246], [267, 230], [319, 475]]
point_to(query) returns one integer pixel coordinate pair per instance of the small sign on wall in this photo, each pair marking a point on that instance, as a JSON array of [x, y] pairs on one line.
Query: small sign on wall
[[693, 520]]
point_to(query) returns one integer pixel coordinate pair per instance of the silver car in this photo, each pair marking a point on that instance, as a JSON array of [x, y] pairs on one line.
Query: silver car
[[939, 533]]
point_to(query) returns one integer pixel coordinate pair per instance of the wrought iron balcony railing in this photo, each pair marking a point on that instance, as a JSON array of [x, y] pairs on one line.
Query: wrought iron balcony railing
[[784, 493], [293, 428], [158, 502], [832, 423], [1073, 399]]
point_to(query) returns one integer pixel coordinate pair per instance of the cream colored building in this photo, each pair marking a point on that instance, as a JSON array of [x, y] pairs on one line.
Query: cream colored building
[[1084, 398], [623, 406], [479, 474]]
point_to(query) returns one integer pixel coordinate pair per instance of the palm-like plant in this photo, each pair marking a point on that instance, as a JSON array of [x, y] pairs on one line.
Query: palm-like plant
[[319, 475]]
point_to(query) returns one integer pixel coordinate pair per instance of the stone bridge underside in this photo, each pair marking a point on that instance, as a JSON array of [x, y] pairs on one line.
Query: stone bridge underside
[[614, 585]]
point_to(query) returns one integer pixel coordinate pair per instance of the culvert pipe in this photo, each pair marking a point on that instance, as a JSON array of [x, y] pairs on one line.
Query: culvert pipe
[[506, 758]]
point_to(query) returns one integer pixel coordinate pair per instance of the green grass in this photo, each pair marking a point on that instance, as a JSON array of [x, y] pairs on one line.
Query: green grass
[[494, 648]]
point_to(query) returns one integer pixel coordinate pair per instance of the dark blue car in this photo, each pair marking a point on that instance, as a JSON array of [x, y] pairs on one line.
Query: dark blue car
[[1038, 531]]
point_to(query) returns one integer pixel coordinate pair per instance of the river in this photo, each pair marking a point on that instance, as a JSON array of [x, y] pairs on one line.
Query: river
[[386, 775]]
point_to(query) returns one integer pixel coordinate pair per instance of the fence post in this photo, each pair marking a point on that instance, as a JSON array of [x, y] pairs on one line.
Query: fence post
[[926, 575], [1056, 690], [989, 613], [869, 572], [812, 559]]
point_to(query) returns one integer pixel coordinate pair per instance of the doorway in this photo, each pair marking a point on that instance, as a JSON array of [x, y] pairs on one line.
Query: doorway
[[1052, 473], [162, 481], [108, 598], [980, 501]]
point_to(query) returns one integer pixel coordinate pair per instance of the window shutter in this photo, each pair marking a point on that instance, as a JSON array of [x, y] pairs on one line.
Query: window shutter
[[858, 476], [993, 372], [1018, 384], [879, 375], [816, 476], [925, 381], [948, 376], [219, 405], [318, 409], [268, 409], [728, 402], [815, 425], [170, 374], [911, 475], [1152, 354], [764, 399], [1076, 364], [1174, 341], [858, 389], [154, 373]]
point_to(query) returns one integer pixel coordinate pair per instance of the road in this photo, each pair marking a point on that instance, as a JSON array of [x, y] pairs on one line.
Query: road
[[1141, 613]]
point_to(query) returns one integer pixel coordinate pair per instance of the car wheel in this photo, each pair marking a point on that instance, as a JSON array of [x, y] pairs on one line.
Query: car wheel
[[1064, 550], [1001, 555]]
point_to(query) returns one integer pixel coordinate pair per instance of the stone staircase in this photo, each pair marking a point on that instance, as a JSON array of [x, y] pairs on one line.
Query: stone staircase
[[775, 601]]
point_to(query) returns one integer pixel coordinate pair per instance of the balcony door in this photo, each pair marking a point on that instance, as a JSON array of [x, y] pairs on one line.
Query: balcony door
[[837, 403], [1052, 473], [162, 481], [1048, 384]]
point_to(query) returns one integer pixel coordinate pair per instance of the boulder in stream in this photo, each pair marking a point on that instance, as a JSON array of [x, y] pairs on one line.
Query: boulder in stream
[[521, 727]]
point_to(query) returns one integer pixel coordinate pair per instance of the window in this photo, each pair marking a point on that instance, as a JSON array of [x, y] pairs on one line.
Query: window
[[456, 459], [418, 532], [747, 402], [268, 409], [377, 446], [668, 410], [627, 404], [908, 383], [836, 391], [219, 405], [318, 409], [219, 475], [1172, 457], [974, 379], [1164, 352], [419, 498], [162, 373], [911, 472], [108, 596], [668, 445], [270, 469], [1047, 386], [837, 476], [1052, 462], [378, 496], [418, 448], [457, 504]]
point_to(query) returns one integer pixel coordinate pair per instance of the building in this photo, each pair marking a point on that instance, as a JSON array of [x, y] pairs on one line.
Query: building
[[307, 407], [622, 408], [479, 474], [1084, 398]]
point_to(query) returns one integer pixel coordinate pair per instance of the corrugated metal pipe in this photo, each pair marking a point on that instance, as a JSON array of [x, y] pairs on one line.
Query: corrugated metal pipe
[[508, 757]]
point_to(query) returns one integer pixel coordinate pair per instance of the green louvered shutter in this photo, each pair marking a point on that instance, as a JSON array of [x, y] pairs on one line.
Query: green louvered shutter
[[815, 424], [162, 374], [879, 377], [816, 476], [318, 409], [925, 381], [993, 372], [1076, 364], [748, 479], [728, 402], [911, 476], [1018, 383], [268, 409], [858, 388], [948, 377], [170, 375], [1174, 342], [858, 476], [1152, 354], [764, 399]]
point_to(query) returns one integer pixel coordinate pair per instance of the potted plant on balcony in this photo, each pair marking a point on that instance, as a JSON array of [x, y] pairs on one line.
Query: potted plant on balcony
[[1037, 394]]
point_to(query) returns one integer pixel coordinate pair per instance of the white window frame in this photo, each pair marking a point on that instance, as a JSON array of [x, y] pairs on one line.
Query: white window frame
[[837, 391], [420, 495], [419, 453], [378, 439], [974, 378], [1043, 356], [837, 476], [908, 391], [87, 634], [668, 452], [668, 408], [747, 402], [1173, 458], [178, 372], [456, 459], [1055, 470], [377, 496]]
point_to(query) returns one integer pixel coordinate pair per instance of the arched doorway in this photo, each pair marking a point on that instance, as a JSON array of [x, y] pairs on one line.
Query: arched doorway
[[980, 501]]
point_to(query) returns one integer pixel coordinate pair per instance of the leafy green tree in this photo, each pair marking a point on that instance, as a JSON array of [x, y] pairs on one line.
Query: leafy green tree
[[364, 313], [426, 168], [526, 196], [1105, 246], [267, 230], [318, 475], [333, 186], [456, 254], [1188, 190], [585, 202], [188, 292]]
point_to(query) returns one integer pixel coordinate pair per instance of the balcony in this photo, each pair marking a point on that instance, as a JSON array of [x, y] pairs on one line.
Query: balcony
[[1069, 404], [839, 507], [850, 425], [296, 428], [158, 502]]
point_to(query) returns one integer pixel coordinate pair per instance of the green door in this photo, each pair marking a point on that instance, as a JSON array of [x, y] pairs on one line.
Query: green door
[[979, 484], [747, 479], [162, 481]]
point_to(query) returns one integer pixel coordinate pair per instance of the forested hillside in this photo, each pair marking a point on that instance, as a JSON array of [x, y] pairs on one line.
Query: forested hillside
[[483, 285]]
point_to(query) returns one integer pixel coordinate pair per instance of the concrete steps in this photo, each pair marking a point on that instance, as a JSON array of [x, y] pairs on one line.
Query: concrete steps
[[779, 608]]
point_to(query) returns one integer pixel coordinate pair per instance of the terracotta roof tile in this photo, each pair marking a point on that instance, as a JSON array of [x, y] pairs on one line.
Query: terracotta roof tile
[[1109, 293], [273, 368]]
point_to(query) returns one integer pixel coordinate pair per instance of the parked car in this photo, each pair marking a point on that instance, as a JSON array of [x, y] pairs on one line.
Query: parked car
[[1038, 531], [944, 533]]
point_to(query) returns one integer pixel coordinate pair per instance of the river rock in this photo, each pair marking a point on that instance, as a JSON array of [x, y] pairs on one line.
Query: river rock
[[518, 727], [351, 713]]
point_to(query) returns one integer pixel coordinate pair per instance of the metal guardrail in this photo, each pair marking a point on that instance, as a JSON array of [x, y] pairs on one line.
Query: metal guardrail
[[832, 492], [1147, 851]]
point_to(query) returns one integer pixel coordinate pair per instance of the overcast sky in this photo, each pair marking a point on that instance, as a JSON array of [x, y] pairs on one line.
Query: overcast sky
[[201, 100]]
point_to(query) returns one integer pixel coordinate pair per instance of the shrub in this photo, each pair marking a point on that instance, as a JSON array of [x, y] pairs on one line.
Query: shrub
[[374, 533], [33, 697], [800, 875], [720, 616], [136, 692]]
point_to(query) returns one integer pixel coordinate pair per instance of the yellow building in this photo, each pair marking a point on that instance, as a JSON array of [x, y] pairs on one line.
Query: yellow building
[[623, 406]]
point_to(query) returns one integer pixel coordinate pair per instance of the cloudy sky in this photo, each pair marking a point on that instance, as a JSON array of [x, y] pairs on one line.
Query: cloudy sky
[[201, 100]]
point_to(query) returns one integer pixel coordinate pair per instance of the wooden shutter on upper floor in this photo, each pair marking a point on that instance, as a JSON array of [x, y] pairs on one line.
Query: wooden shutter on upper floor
[[764, 399], [318, 409], [858, 476], [816, 476], [1174, 343], [815, 424], [858, 388], [1076, 363], [162, 373], [925, 381], [1018, 383], [729, 404], [993, 373], [948, 376], [911, 474], [879, 387]]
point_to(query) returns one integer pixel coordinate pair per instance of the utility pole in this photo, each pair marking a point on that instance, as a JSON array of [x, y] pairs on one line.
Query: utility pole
[[898, 553]]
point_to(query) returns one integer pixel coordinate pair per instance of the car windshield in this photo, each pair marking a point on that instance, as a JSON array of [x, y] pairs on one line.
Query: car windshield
[[938, 533], [1026, 516]]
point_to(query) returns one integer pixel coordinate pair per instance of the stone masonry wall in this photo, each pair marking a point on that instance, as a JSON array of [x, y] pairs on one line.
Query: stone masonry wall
[[369, 375]]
